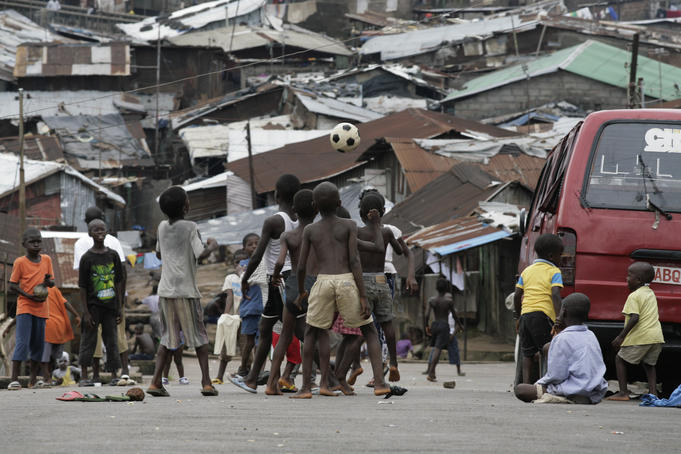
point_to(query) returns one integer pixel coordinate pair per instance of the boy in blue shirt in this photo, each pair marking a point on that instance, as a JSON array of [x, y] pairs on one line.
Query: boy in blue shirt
[[251, 307], [537, 299]]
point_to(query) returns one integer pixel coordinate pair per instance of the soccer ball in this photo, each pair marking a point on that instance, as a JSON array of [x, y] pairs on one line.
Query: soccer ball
[[344, 137], [40, 291]]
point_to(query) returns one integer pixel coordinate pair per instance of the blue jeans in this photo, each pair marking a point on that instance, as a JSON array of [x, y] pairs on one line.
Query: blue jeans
[[30, 338]]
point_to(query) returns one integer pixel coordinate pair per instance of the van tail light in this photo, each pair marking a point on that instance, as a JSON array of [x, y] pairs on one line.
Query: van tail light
[[568, 261]]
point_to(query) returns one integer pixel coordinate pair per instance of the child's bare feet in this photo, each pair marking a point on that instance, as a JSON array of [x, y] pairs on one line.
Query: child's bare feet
[[273, 390], [302, 394], [619, 396], [431, 378], [344, 388], [381, 390], [353, 376], [394, 374], [324, 391]]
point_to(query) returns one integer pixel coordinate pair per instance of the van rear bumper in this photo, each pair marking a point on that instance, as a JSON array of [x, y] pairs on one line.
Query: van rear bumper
[[606, 331]]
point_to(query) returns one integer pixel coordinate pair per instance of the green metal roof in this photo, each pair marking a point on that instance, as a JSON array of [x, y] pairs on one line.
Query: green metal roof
[[592, 59]]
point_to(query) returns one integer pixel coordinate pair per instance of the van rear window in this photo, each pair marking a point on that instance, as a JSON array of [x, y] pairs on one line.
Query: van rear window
[[634, 163]]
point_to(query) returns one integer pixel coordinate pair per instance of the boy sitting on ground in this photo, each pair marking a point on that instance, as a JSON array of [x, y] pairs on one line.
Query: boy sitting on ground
[[339, 287], [144, 348], [575, 362], [641, 340], [537, 299], [64, 374]]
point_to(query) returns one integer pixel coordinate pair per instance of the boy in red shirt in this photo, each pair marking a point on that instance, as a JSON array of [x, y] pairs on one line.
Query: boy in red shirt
[[28, 272], [58, 329]]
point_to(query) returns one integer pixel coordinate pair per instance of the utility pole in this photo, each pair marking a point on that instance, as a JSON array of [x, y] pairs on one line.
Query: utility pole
[[158, 88], [631, 91], [22, 180], [251, 174]]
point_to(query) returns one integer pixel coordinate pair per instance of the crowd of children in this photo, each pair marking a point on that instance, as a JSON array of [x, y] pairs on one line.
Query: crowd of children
[[305, 277]]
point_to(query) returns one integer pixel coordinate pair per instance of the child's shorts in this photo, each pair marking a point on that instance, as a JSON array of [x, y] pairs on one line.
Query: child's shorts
[[292, 351], [182, 316], [637, 354], [30, 338], [52, 351], [379, 296], [535, 332], [292, 294], [439, 331], [331, 293], [249, 325]]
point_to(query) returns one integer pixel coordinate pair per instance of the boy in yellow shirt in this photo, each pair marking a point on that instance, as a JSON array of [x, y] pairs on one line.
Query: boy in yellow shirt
[[537, 299], [641, 340]]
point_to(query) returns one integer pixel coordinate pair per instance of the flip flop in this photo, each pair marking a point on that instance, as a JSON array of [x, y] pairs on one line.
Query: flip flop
[[216, 381], [242, 385], [120, 398], [209, 391], [115, 381], [86, 383], [158, 392], [70, 396], [89, 398], [449, 384], [396, 391]]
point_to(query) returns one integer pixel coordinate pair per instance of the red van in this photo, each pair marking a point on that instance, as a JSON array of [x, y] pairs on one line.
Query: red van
[[611, 189]]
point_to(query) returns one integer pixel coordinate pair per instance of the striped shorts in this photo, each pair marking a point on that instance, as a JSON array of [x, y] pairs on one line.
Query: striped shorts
[[185, 315]]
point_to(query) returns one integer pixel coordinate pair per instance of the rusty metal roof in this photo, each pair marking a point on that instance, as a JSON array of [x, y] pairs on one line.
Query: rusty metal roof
[[454, 194], [56, 59], [420, 167], [456, 235], [60, 251], [513, 167], [10, 238], [315, 160], [39, 148]]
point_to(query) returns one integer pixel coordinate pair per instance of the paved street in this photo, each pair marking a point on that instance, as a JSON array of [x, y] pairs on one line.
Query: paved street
[[479, 415]]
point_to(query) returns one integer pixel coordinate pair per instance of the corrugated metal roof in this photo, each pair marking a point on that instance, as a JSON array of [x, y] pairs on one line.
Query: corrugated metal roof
[[593, 60], [56, 60], [333, 108], [420, 167], [37, 170], [39, 148], [428, 40], [456, 235], [16, 29], [454, 194], [106, 140], [192, 18], [10, 238], [60, 251], [315, 160]]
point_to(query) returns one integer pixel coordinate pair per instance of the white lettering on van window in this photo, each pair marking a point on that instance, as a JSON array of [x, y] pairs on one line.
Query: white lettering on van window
[[612, 170], [665, 140]]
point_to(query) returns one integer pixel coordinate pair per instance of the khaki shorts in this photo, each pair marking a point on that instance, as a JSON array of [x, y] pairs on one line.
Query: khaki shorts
[[637, 354], [122, 339], [335, 293]]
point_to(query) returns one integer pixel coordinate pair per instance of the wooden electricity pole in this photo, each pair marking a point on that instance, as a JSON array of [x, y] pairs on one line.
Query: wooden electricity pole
[[251, 173], [22, 178], [631, 91]]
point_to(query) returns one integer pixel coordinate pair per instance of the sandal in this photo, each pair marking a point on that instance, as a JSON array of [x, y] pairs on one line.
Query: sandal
[[89, 398], [209, 391], [240, 383], [70, 396], [216, 381], [185, 381], [158, 392], [14, 386], [86, 383]]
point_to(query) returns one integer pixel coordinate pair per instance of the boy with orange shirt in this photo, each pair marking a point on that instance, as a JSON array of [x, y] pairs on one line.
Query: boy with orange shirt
[[28, 272], [58, 329]]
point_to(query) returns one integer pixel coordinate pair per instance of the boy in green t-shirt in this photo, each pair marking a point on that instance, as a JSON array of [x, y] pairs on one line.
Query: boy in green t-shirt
[[641, 340]]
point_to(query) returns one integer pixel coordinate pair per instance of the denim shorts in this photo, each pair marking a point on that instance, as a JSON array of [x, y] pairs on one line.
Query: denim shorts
[[249, 324]]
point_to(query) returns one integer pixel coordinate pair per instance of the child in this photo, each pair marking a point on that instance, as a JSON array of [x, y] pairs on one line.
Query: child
[[250, 309], [268, 250], [58, 329], [100, 280], [231, 289], [575, 363], [339, 287], [641, 340], [64, 374], [379, 294], [404, 346], [293, 316], [28, 272], [441, 305], [537, 299], [144, 343], [179, 246]]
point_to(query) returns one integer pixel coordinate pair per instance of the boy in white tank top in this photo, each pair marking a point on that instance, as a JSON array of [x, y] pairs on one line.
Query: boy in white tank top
[[268, 250]]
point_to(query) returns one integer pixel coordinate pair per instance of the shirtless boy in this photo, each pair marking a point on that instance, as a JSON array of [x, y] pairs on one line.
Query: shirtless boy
[[268, 249], [294, 316], [375, 282], [441, 306], [339, 287]]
